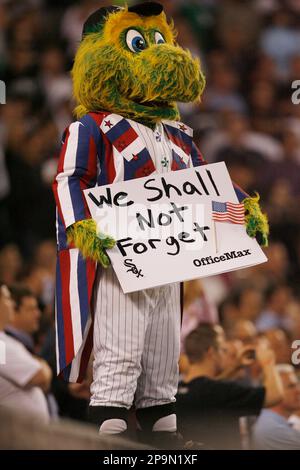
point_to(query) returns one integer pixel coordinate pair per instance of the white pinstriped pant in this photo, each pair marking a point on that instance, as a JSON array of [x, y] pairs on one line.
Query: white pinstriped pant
[[136, 344]]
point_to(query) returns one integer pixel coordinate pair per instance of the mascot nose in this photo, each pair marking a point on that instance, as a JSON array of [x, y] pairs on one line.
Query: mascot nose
[[158, 53], [172, 73]]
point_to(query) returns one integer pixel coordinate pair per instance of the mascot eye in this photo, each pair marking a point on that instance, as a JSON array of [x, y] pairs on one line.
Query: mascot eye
[[159, 39], [135, 41]]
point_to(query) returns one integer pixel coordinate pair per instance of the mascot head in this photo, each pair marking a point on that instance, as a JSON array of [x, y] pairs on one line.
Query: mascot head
[[129, 63]]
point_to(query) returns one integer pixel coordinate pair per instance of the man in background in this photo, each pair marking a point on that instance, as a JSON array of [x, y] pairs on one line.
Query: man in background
[[23, 378], [26, 320], [209, 409], [272, 430], [24, 324]]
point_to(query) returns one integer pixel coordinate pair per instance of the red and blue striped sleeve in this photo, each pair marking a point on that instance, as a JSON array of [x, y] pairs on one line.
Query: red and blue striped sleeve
[[77, 170], [240, 193], [196, 156]]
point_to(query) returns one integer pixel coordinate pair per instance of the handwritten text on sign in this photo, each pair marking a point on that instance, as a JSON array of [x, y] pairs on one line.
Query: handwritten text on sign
[[164, 228]]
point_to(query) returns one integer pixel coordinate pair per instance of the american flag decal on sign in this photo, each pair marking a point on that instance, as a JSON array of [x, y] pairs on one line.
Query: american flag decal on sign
[[228, 212]]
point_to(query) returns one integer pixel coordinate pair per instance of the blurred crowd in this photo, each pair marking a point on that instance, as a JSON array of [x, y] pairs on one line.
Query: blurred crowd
[[250, 53]]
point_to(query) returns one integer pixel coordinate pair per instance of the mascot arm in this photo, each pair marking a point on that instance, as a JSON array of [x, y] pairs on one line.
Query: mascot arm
[[256, 221], [77, 170]]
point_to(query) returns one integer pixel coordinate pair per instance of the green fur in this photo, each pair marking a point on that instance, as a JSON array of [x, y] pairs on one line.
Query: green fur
[[143, 86], [84, 236], [256, 222], [140, 86]]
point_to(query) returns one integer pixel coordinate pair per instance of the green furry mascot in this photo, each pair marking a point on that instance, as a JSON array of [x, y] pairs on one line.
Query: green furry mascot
[[128, 74]]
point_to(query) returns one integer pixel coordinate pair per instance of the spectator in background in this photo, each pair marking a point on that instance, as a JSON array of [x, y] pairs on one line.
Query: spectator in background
[[272, 430], [38, 280], [23, 378], [249, 303], [245, 303], [45, 260], [281, 41], [208, 409], [275, 314], [24, 324], [238, 25], [236, 360], [243, 330], [264, 110], [55, 83], [222, 94], [281, 344]]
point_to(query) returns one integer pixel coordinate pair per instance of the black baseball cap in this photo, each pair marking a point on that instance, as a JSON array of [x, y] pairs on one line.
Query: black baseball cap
[[99, 16]]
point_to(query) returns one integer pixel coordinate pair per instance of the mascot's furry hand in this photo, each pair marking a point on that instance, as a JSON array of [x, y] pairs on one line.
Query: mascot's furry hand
[[91, 243], [256, 222]]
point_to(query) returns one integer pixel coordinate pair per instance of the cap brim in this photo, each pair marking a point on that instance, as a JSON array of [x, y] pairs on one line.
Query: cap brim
[[99, 16], [147, 9]]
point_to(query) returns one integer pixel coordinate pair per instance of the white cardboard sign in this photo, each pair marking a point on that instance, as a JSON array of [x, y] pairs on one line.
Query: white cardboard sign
[[164, 228]]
